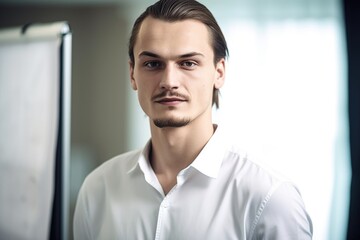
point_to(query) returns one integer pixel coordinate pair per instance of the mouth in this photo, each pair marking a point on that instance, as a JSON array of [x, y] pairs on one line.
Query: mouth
[[170, 101]]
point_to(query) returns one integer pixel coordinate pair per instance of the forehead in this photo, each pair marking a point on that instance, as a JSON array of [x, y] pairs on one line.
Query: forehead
[[176, 37]]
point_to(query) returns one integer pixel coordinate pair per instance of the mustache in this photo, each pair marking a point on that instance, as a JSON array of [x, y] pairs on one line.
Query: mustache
[[169, 94]]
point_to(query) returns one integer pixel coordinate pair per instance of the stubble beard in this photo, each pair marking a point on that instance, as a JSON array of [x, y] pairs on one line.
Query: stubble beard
[[171, 123]]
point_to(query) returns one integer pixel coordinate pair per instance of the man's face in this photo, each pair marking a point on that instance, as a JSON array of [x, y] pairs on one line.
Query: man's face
[[174, 72]]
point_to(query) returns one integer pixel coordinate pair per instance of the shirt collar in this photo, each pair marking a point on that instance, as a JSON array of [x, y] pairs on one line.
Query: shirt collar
[[142, 160], [208, 162]]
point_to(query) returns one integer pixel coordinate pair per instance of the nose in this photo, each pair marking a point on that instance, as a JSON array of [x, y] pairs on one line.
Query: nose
[[170, 77]]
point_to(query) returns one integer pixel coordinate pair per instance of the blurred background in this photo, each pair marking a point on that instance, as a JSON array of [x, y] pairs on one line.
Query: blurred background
[[285, 96]]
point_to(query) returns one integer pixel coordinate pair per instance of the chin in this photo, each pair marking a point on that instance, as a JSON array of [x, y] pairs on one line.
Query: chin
[[171, 123]]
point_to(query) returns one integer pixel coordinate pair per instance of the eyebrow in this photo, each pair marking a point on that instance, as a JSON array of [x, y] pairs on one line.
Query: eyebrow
[[154, 55]]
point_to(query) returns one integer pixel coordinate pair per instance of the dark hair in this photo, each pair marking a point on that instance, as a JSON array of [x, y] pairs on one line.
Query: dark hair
[[177, 10]]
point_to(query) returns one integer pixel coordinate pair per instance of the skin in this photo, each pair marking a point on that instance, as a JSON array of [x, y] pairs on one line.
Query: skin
[[174, 74]]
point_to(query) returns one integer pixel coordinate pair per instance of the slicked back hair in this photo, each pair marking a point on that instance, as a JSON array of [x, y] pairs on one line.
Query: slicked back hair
[[177, 10]]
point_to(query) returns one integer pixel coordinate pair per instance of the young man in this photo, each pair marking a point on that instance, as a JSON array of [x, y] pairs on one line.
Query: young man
[[188, 182]]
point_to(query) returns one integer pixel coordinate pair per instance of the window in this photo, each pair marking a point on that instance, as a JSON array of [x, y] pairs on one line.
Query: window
[[285, 97]]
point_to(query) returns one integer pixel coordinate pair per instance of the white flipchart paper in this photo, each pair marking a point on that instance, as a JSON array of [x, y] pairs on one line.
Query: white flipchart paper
[[29, 93]]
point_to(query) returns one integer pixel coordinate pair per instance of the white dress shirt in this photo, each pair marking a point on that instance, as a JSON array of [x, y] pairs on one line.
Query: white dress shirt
[[221, 195]]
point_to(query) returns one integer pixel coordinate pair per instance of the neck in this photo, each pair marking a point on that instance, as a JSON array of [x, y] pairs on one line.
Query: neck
[[173, 149]]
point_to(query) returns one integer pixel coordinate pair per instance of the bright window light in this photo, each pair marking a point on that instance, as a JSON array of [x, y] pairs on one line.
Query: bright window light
[[285, 97]]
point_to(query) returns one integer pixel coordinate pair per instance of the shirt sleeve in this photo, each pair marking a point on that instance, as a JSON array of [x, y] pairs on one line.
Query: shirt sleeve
[[284, 216], [80, 224]]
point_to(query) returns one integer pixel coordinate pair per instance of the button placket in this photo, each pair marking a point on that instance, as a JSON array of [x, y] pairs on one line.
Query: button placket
[[163, 211]]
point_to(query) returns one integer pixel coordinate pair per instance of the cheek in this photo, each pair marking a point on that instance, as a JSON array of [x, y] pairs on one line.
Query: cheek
[[204, 91], [142, 93], [144, 100], [145, 93]]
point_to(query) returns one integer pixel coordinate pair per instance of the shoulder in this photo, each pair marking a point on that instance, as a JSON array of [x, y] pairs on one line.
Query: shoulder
[[98, 187], [283, 216], [279, 209], [251, 175], [274, 204], [112, 170], [121, 162]]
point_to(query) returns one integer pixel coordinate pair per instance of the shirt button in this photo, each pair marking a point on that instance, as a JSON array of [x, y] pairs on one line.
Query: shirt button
[[165, 204]]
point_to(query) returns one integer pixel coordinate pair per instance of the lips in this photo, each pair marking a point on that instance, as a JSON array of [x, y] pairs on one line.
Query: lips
[[170, 101], [170, 98]]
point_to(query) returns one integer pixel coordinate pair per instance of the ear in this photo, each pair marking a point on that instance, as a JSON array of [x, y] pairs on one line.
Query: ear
[[132, 79], [219, 74]]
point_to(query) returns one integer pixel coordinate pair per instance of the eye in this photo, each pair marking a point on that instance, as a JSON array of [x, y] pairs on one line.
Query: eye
[[152, 65], [188, 64]]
